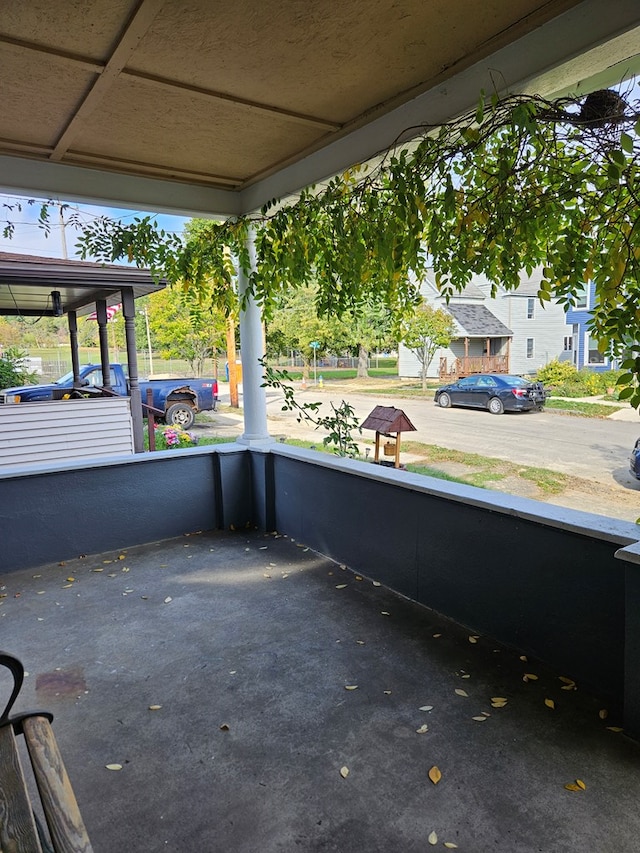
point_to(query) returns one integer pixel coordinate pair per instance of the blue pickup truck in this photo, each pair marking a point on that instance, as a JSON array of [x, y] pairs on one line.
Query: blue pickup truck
[[176, 400]]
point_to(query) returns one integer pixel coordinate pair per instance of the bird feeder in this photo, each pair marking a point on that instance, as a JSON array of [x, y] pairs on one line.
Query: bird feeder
[[388, 422]]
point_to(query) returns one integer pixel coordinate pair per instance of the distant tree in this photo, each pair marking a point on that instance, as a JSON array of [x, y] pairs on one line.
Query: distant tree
[[370, 327], [182, 327], [12, 370], [424, 332]]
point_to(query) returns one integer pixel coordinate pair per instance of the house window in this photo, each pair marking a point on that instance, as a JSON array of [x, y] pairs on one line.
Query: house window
[[568, 343], [581, 297], [529, 347], [530, 308], [594, 356]]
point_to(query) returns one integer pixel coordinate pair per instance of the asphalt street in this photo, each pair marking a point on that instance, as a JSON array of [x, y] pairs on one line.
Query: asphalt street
[[591, 448]]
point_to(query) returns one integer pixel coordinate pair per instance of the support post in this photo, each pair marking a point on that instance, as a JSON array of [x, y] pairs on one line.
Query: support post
[[103, 337], [129, 312], [73, 343], [254, 398]]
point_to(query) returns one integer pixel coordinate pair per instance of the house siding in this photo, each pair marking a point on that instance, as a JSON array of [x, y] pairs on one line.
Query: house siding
[[547, 327]]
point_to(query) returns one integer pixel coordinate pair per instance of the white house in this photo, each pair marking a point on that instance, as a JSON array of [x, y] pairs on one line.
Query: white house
[[510, 332]]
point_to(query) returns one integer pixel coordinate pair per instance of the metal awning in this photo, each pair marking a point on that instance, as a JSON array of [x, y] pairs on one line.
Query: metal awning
[[27, 282]]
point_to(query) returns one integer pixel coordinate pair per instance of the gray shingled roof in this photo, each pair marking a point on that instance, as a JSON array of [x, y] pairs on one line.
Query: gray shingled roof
[[478, 322]]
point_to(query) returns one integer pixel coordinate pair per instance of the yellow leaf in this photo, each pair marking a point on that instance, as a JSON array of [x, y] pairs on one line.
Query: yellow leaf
[[113, 766], [376, 583], [70, 579], [121, 556], [461, 692], [498, 699], [603, 714], [565, 680], [571, 786], [358, 577], [450, 845], [97, 570], [479, 719], [351, 687], [571, 686], [433, 838], [614, 729], [341, 586], [529, 676], [155, 707], [435, 775], [581, 784], [344, 772], [524, 658], [550, 703], [65, 586], [473, 639], [435, 636], [224, 727], [385, 613], [426, 708], [422, 729]]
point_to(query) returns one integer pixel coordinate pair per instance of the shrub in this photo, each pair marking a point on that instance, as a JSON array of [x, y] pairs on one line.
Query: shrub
[[562, 379], [12, 370]]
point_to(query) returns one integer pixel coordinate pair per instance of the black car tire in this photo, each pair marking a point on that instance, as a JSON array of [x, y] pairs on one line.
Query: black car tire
[[444, 401], [495, 406], [180, 415]]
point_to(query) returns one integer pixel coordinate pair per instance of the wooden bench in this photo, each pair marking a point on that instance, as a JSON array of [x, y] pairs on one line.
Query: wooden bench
[[21, 830]]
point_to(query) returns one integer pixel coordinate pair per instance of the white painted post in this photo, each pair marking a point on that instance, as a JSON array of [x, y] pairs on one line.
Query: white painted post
[[254, 398]]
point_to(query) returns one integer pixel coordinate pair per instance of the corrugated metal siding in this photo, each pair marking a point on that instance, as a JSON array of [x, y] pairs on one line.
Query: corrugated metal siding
[[33, 433]]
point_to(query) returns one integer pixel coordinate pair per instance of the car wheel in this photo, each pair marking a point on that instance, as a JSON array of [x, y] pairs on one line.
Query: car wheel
[[180, 415], [444, 401], [495, 406]]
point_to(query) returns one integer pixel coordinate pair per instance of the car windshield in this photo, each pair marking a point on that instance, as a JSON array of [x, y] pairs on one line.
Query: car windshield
[[515, 381], [68, 377]]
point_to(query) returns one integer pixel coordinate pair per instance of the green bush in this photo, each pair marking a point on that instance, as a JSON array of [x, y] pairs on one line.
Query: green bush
[[563, 380], [12, 372]]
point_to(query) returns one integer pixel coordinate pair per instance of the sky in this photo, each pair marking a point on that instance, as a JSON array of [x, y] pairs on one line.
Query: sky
[[30, 239]]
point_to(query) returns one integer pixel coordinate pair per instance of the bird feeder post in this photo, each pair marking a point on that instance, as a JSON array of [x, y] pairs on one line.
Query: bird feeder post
[[390, 422]]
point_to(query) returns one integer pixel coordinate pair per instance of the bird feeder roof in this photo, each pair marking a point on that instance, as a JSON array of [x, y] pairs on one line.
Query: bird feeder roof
[[387, 419]]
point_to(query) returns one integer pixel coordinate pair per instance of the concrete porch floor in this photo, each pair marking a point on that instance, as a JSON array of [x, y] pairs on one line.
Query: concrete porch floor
[[248, 643]]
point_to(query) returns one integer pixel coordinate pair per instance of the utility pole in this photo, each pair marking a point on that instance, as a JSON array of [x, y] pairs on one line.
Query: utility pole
[[63, 235]]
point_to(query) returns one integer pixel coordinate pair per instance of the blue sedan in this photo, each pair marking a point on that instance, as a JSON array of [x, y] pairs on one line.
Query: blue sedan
[[493, 391]]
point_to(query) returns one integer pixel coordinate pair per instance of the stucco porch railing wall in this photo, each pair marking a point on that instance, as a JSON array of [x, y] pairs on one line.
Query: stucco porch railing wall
[[542, 579]]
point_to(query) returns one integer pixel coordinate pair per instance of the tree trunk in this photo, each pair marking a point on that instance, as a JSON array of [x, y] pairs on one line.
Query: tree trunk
[[423, 376], [363, 362]]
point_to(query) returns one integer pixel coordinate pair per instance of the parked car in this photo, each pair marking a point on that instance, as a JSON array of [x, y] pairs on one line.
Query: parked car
[[634, 460], [493, 391]]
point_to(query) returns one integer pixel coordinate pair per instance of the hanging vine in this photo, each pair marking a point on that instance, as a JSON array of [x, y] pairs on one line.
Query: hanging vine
[[519, 183]]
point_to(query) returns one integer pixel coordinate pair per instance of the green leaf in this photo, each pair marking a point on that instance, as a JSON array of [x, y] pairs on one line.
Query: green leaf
[[626, 142]]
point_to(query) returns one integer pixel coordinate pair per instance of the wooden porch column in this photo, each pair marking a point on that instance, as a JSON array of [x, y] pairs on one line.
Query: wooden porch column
[[466, 348], [129, 312], [73, 343], [103, 337]]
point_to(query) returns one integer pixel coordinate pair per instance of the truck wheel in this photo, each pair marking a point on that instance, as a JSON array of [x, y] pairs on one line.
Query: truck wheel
[[180, 415]]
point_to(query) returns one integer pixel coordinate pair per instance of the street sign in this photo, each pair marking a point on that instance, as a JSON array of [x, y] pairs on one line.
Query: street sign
[[315, 344]]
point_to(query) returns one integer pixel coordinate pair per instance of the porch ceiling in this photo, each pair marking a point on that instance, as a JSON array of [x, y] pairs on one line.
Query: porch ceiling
[[215, 108]]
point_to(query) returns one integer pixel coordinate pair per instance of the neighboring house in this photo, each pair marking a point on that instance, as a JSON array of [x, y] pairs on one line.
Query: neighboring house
[[579, 347], [510, 332]]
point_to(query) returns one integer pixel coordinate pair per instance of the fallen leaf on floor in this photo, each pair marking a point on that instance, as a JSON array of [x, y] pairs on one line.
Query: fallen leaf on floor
[[385, 613], [341, 586], [450, 845], [436, 636], [262, 548], [571, 786], [224, 727], [581, 784], [360, 642], [603, 714], [435, 775], [524, 658], [266, 575], [614, 729], [40, 592], [571, 686], [351, 687], [387, 692], [498, 701], [97, 570], [461, 692], [358, 578], [342, 566], [66, 585], [113, 766], [168, 599], [285, 576], [376, 583], [63, 563], [473, 639], [433, 838], [121, 557], [466, 675], [529, 676], [425, 708], [424, 728], [126, 569], [550, 703], [155, 707], [344, 772], [479, 719]]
